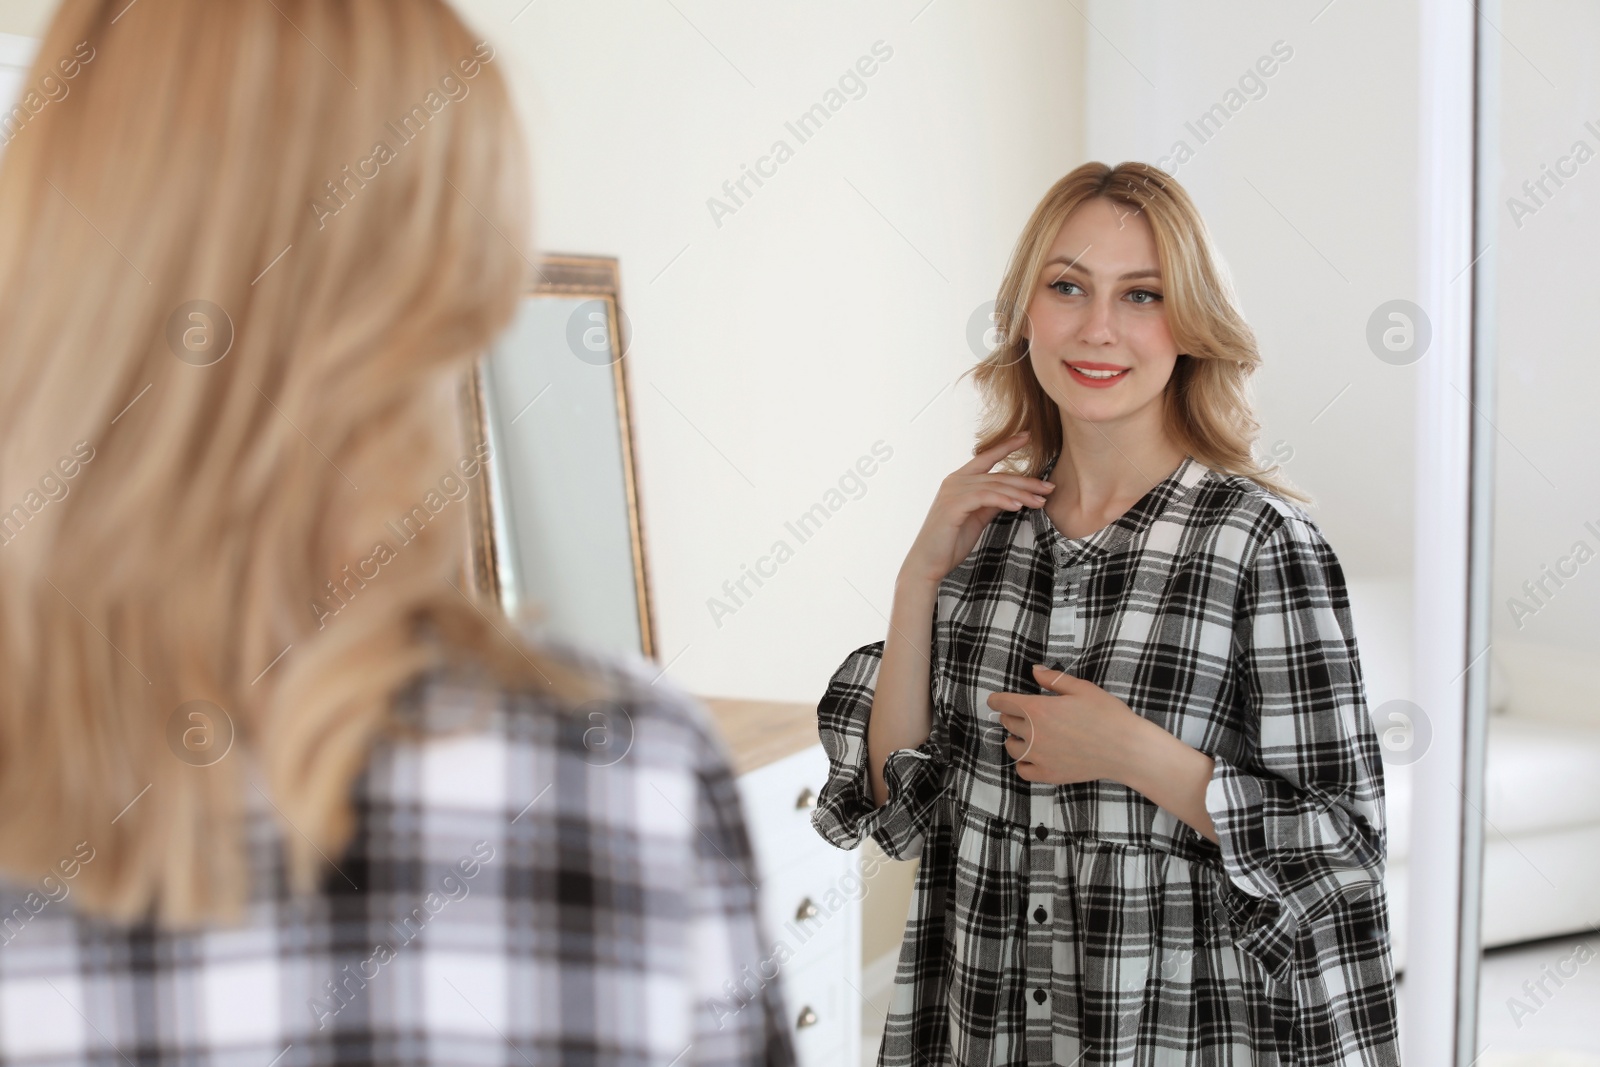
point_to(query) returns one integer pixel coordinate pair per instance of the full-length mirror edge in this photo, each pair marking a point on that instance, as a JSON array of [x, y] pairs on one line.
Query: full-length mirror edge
[[1455, 511]]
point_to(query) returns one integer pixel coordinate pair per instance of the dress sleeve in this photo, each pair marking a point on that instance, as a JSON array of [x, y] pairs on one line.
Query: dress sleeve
[[1299, 818], [915, 777]]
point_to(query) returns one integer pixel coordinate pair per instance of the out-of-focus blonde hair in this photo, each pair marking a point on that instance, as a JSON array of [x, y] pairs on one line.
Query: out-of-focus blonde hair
[[181, 560], [1207, 403]]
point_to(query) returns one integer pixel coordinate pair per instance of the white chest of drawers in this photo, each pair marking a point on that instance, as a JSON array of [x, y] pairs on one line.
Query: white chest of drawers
[[810, 891], [810, 907]]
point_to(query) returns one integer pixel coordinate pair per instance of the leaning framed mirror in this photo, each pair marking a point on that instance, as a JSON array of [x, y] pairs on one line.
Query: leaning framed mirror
[[557, 542]]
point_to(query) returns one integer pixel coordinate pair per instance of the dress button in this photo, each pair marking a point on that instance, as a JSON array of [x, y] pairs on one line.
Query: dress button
[[1040, 832], [1039, 995], [1039, 914]]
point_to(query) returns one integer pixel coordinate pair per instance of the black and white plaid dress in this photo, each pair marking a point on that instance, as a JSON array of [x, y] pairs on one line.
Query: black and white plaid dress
[[1082, 924]]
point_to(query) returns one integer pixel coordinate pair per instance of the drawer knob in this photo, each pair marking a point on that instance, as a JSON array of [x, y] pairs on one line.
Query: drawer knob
[[806, 799], [807, 910], [807, 1018]]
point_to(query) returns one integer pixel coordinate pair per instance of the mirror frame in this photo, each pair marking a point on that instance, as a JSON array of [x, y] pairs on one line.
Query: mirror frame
[[1454, 472], [490, 565]]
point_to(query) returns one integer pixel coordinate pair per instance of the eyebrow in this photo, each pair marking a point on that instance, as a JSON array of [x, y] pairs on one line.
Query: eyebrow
[[1073, 264]]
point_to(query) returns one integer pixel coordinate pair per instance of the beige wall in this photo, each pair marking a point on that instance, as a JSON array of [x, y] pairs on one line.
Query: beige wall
[[26, 18], [1547, 483]]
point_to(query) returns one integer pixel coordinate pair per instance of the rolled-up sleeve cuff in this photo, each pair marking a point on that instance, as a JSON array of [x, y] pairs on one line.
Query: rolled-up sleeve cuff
[[914, 777], [1263, 926]]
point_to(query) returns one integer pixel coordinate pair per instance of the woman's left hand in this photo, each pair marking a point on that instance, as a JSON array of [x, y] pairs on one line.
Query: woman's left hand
[[1076, 733]]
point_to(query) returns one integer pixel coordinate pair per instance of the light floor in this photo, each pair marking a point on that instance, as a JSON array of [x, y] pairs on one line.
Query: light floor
[[1517, 1027], [1558, 1027]]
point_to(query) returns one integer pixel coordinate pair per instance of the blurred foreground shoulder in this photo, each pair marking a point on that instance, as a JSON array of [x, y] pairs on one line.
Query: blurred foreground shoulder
[[620, 698]]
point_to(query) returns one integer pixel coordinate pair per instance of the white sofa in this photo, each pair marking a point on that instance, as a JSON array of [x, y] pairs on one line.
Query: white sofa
[[1542, 778]]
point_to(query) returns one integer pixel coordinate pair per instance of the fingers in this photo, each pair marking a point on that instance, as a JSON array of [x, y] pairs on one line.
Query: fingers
[[1016, 721], [986, 459], [1014, 704], [1056, 681], [1030, 492], [958, 499], [1017, 727], [973, 485], [1020, 482], [1009, 501]]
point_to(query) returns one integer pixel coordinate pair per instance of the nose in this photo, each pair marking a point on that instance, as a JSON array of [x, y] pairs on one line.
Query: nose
[[1098, 328]]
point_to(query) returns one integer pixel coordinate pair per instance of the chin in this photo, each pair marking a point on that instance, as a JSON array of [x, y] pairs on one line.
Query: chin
[[1095, 414]]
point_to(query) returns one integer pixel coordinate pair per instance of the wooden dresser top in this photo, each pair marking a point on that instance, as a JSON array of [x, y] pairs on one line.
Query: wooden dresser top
[[759, 732]]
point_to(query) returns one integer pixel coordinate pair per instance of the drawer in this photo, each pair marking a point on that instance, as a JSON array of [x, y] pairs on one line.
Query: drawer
[[778, 800], [819, 1017], [813, 908]]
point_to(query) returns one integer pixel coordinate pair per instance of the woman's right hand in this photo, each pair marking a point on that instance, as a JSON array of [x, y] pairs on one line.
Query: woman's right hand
[[967, 500]]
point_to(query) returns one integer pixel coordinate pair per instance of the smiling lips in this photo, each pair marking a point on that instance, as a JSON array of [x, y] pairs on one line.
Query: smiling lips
[[1097, 375]]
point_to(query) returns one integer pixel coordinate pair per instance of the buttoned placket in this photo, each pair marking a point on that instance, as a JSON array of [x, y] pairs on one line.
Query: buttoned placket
[[1045, 839]]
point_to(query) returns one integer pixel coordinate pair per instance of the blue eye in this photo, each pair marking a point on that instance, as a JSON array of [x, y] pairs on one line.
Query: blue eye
[[1054, 285], [1155, 298]]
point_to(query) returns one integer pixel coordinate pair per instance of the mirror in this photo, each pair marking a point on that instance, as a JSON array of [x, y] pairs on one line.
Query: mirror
[[557, 540], [1537, 991]]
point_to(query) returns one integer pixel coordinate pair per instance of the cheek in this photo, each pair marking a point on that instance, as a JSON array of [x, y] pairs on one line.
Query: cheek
[[1050, 321], [1155, 377], [1158, 372], [1150, 340], [1153, 331], [1049, 373]]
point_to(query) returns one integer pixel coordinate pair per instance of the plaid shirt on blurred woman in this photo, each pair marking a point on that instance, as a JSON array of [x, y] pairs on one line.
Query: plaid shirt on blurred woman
[[525, 887]]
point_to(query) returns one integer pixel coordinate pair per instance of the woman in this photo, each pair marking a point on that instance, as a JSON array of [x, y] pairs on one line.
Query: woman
[[274, 789], [1132, 749]]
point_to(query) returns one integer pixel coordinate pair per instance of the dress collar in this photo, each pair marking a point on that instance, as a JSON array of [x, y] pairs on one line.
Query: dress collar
[[1163, 495]]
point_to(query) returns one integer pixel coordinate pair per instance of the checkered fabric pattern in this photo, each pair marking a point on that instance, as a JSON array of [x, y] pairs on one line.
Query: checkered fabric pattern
[[527, 886], [1082, 924]]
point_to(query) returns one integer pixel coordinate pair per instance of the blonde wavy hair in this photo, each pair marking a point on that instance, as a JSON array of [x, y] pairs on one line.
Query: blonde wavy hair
[[173, 518], [1207, 403]]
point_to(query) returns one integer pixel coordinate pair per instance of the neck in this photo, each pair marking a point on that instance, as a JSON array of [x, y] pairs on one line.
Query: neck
[[1099, 476]]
